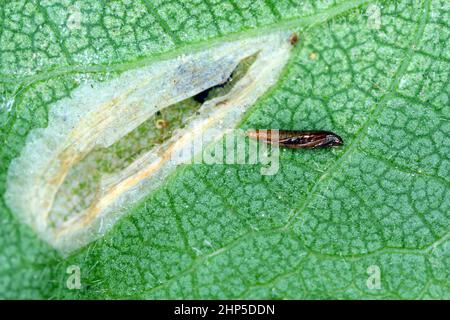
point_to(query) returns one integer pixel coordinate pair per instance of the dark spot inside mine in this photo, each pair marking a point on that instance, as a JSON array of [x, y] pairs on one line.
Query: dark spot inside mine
[[202, 96], [225, 86]]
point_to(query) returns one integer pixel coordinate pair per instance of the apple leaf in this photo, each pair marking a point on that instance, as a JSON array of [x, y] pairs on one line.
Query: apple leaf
[[367, 220]]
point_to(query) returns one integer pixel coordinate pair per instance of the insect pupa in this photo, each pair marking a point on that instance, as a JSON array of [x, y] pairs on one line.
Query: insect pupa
[[293, 139]]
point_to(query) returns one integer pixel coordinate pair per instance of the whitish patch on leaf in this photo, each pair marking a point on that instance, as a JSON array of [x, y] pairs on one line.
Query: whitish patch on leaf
[[43, 185]]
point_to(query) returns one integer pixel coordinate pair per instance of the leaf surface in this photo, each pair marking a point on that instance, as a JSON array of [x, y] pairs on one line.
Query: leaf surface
[[374, 72]]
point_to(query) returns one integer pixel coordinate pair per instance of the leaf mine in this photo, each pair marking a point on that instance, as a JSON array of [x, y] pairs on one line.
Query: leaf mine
[[97, 157]]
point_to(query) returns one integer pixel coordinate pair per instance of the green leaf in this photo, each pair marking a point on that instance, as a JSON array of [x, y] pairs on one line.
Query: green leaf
[[329, 224]]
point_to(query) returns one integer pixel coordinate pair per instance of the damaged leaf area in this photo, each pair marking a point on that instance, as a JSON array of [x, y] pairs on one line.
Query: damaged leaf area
[[97, 156]]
